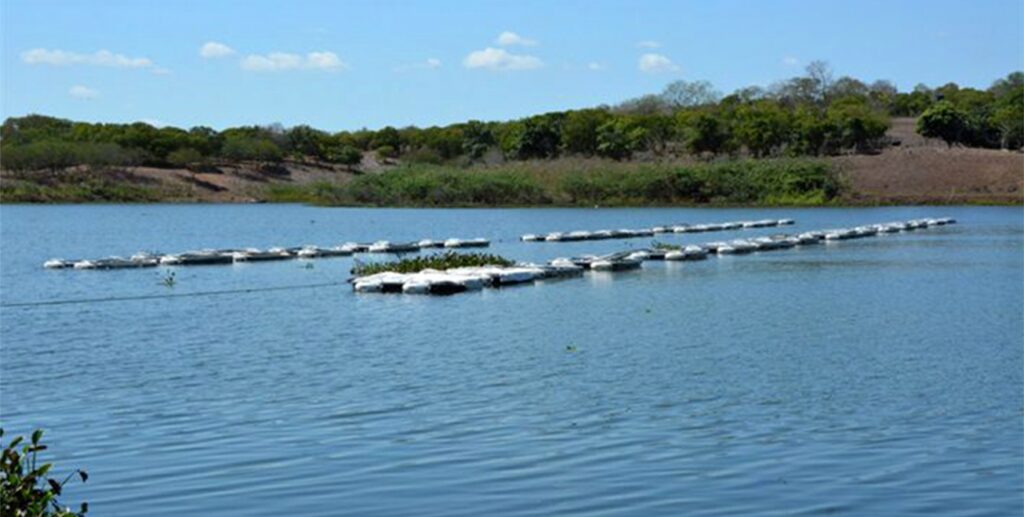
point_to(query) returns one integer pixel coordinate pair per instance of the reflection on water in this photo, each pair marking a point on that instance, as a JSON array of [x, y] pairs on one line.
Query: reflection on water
[[877, 376]]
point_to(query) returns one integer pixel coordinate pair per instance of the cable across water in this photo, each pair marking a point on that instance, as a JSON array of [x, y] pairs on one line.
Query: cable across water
[[170, 295]]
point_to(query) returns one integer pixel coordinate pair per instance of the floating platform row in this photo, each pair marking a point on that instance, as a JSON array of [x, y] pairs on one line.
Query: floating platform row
[[231, 255], [583, 235], [458, 280]]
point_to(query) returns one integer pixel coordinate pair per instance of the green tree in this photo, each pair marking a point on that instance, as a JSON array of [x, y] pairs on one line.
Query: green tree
[[388, 136], [579, 131], [249, 148], [910, 104], [763, 127], [658, 131], [855, 124], [848, 87], [32, 128], [705, 133], [445, 142], [184, 156], [619, 139], [812, 132], [306, 141], [387, 152], [477, 138], [535, 137], [344, 154], [1008, 118], [1008, 85], [943, 120], [205, 140]]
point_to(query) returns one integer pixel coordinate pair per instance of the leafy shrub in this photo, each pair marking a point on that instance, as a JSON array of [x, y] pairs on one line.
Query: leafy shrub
[[25, 487], [778, 181], [55, 155], [184, 156], [387, 151], [249, 148], [343, 154]]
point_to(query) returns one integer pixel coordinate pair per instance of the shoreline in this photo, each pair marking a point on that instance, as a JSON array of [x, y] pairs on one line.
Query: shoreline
[[917, 175], [838, 204]]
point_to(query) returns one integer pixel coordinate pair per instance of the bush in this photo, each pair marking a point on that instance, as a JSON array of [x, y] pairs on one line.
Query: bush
[[779, 181], [251, 148], [387, 152], [25, 487], [55, 155], [343, 154], [429, 186], [943, 120], [424, 155], [183, 157], [619, 139]]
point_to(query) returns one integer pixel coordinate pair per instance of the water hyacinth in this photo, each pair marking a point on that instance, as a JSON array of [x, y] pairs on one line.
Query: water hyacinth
[[665, 246], [439, 261]]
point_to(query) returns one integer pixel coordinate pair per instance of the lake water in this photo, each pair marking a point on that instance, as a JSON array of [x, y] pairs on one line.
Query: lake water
[[871, 377]]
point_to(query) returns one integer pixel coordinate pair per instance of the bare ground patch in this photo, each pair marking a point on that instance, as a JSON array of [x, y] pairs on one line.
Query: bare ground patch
[[934, 174]]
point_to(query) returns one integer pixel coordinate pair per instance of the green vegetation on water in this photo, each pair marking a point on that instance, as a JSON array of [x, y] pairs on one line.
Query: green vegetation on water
[[665, 246], [742, 182], [439, 261]]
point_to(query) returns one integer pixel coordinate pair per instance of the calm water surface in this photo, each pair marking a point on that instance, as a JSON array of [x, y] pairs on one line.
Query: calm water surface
[[870, 377]]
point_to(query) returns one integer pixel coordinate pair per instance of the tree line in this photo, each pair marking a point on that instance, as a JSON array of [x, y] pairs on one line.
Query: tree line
[[810, 115]]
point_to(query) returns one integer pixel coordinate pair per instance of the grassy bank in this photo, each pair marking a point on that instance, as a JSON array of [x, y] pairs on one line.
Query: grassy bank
[[745, 182], [88, 189]]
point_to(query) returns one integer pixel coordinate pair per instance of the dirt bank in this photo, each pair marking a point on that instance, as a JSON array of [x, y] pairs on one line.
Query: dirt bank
[[922, 170]]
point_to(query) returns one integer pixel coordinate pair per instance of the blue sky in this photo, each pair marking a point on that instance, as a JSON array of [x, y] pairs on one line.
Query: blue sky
[[343, 65]]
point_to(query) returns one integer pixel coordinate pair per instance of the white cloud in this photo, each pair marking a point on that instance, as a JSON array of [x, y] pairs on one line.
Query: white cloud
[[83, 92], [790, 61], [656, 63], [324, 61], [279, 61], [42, 56], [500, 60], [432, 62], [595, 66], [154, 122], [509, 38], [214, 50], [648, 44]]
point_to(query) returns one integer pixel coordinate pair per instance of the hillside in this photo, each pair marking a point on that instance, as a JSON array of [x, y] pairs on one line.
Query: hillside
[[918, 170], [923, 170]]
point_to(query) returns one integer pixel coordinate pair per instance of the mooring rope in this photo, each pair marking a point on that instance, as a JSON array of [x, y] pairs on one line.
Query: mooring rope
[[169, 295]]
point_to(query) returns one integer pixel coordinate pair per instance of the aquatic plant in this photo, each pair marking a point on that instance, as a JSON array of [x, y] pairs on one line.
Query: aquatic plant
[[665, 246], [439, 261], [169, 280], [25, 488]]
